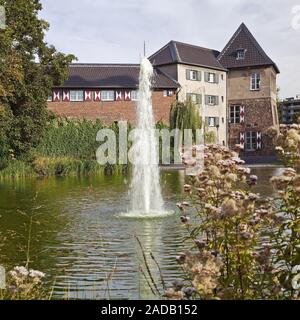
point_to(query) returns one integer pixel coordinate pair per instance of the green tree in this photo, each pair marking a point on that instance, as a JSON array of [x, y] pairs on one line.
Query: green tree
[[185, 115], [29, 69]]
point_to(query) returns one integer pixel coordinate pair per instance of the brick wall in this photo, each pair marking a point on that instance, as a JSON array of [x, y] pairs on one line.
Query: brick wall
[[259, 118], [109, 112]]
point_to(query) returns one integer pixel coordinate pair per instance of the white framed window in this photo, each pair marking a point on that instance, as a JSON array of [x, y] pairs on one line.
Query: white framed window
[[195, 98], [211, 122], [168, 93], [193, 75], [212, 77], [134, 95], [251, 141], [107, 95], [235, 114], [212, 100], [255, 81], [76, 95], [241, 54]]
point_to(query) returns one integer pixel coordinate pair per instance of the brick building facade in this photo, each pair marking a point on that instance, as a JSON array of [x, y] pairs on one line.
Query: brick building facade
[[108, 112], [109, 92], [235, 90]]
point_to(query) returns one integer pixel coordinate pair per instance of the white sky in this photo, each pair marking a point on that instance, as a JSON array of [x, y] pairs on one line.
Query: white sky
[[113, 31]]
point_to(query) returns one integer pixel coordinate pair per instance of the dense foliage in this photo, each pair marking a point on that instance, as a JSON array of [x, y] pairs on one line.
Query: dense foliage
[[29, 69], [186, 115]]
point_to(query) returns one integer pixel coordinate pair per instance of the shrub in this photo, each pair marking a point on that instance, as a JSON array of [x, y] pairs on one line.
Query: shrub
[[243, 246], [66, 138]]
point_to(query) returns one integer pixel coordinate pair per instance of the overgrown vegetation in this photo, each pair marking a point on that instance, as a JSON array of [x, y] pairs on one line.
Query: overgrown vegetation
[[68, 147], [243, 246]]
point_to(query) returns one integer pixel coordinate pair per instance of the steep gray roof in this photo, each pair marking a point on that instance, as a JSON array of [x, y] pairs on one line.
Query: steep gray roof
[[178, 52], [254, 56], [113, 76]]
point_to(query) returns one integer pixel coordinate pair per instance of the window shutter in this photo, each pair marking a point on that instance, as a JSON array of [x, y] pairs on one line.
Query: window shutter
[[207, 121], [217, 121], [127, 96], [206, 100], [118, 95], [206, 76], [216, 78], [188, 96], [66, 95], [56, 96], [188, 74], [97, 96], [88, 95], [242, 140], [199, 75], [258, 140], [242, 115], [199, 99], [217, 100]]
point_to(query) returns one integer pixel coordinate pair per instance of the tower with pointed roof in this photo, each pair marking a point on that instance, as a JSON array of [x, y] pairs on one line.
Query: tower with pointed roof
[[251, 93]]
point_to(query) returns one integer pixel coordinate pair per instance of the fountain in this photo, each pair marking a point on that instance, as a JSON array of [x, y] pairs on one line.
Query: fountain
[[145, 191]]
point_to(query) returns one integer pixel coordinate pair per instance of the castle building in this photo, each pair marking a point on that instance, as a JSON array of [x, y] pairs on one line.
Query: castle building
[[251, 90], [235, 90], [202, 78]]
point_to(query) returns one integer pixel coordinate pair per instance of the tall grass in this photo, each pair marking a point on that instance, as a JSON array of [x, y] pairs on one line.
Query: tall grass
[[66, 138], [17, 169], [67, 147]]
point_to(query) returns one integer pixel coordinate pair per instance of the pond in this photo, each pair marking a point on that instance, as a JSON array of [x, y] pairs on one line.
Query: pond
[[81, 242]]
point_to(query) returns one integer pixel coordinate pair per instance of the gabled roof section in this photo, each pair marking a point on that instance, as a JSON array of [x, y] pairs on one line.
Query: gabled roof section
[[254, 54], [113, 76], [178, 52]]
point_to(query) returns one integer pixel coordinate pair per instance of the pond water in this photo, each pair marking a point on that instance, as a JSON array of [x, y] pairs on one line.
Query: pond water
[[81, 242]]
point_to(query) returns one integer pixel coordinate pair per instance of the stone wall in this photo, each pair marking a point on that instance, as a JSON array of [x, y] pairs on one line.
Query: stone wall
[[259, 118]]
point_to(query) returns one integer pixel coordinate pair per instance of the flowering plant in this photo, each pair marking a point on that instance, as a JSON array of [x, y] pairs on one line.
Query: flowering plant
[[243, 246]]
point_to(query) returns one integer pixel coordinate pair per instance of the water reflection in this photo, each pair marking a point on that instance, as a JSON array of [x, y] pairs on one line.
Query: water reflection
[[80, 241]]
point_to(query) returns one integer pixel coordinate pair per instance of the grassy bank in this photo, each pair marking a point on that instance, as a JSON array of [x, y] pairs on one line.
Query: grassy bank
[[67, 148]]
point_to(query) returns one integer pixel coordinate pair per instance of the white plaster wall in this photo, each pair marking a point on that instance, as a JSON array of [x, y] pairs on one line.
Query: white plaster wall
[[206, 88]]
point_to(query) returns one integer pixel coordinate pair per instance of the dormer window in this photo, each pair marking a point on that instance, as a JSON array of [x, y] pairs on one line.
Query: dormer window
[[241, 54]]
